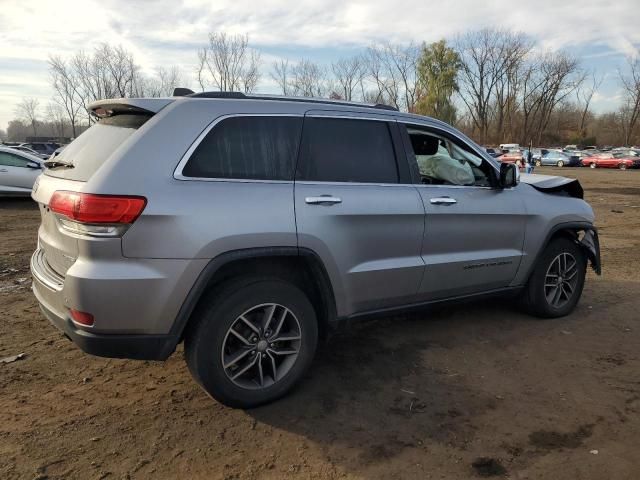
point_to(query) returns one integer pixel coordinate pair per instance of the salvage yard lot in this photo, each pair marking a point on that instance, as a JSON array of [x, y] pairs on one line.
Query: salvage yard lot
[[424, 395]]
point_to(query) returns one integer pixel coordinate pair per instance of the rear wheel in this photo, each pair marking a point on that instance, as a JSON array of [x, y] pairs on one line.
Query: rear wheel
[[252, 341], [593, 165], [555, 286], [538, 163], [622, 166], [560, 163]]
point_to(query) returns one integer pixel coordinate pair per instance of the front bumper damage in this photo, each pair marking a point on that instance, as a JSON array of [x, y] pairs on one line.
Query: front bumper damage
[[591, 245]]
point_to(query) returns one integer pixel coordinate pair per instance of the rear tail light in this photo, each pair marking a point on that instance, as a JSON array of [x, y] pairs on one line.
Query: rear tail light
[[83, 318], [98, 215]]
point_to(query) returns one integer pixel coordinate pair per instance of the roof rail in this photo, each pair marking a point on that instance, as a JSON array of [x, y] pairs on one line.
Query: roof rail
[[240, 95], [218, 95]]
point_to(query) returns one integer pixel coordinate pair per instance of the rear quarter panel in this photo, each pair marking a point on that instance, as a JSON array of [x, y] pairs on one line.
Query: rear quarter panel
[[192, 219]]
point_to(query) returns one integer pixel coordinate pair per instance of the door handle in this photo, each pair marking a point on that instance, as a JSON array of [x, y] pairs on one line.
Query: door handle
[[443, 201], [323, 200]]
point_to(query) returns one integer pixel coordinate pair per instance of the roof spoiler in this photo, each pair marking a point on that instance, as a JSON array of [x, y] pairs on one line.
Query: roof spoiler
[[115, 106]]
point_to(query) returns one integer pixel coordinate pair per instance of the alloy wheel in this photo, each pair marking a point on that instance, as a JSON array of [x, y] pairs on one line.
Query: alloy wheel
[[560, 163], [561, 280], [593, 165], [261, 346]]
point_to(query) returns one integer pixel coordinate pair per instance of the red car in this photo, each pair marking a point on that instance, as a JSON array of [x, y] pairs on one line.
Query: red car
[[609, 160], [512, 156]]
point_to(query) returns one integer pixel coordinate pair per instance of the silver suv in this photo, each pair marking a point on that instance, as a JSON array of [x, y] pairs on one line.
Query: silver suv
[[250, 226]]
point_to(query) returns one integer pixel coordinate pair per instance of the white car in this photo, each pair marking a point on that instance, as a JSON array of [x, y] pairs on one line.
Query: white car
[[18, 171], [30, 151]]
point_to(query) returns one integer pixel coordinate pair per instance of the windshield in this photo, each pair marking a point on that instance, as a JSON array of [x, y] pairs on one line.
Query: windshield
[[90, 150]]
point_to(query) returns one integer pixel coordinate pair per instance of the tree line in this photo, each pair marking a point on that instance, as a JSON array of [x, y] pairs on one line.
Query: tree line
[[492, 83]]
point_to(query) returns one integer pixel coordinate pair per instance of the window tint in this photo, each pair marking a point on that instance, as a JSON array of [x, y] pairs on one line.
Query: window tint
[[345, 150], [258, 148], [92, 148], [12, 160]]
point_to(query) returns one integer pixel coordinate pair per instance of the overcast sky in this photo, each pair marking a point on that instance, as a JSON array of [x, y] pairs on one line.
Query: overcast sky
[[169, 32]]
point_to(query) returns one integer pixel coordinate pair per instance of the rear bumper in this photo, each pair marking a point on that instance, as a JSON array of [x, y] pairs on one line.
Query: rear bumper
[[134, 303], [138, 347]]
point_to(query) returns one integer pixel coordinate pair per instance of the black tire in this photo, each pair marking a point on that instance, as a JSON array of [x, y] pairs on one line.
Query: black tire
[[538, 163], [534, 298], [593, 165], [560, 163], [204, 339], [622, 166]]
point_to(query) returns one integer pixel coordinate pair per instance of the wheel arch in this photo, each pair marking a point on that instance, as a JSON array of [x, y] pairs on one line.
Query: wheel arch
[[589, 242], [301, 265]]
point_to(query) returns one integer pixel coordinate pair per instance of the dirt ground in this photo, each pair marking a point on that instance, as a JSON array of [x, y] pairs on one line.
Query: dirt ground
[[455, 392]]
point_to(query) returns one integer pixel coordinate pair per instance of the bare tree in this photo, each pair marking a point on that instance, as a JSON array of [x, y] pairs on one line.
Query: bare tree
[[486, 56], [280, 75], [162, 84], [557, 71], [228, 63], [66, 85], [307, 79], [349, 74], [515, 49], [27, 110], [584, 94], [393, 68], [56, 116], [630, 112]]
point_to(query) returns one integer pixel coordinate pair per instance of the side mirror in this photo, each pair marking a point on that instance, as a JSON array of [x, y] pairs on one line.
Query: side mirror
[[509, 175], [34, 165]]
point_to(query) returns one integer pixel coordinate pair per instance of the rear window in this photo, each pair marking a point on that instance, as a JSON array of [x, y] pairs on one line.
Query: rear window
[[254, 148], [89, 151]]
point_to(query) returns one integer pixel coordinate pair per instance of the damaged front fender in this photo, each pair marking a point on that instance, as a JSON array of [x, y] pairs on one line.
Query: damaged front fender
[[591, 245]]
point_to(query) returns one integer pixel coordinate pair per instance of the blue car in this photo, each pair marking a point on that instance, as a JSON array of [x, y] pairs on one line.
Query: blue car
[[559, 159]]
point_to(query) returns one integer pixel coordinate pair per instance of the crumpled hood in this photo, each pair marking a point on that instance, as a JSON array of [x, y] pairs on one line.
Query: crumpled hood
[[553, 184]]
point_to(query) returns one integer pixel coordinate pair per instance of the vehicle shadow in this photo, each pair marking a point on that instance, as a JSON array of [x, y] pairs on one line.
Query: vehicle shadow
[[374, 390], [17, 203]]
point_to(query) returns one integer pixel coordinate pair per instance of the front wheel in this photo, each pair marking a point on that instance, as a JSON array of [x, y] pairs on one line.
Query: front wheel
[[538, 163], [252, 341], [560, 163], [555, 286], [622, 166], [592, 165]]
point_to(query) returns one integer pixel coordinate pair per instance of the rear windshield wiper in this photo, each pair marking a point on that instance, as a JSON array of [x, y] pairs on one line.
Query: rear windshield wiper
[[57, 163]]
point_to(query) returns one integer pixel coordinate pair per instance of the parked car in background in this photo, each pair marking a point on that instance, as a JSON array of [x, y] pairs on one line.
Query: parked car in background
[[625, 152], [30, 151], [509, 146], [45, 148], [18, 171], [609, 160], [512, 156], [57, 152], [538, 153], [559, 159], [493, 152]]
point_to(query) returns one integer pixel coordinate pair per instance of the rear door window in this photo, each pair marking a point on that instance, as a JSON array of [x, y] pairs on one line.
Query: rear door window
[[347, 150], [247, 147], [90, 150]]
